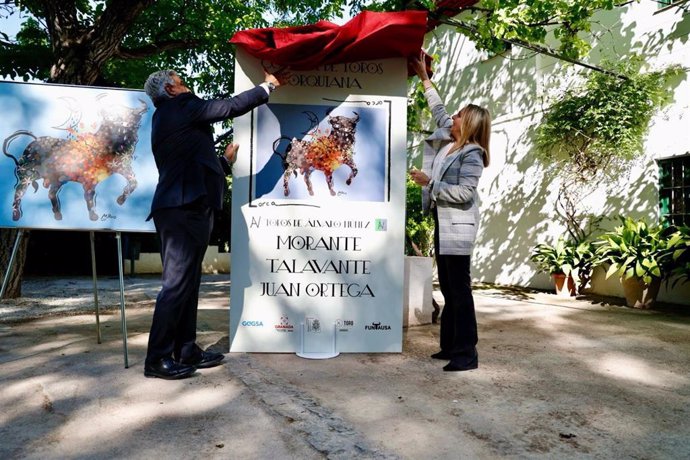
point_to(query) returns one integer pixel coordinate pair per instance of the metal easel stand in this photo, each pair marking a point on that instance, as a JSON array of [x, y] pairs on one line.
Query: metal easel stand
[[122, 293], [318, 355], [10, 264], [95, 287], [123, 318], [118, 235]]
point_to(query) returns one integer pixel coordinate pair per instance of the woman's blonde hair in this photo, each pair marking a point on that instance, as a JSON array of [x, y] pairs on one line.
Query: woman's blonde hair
[[475, 128]]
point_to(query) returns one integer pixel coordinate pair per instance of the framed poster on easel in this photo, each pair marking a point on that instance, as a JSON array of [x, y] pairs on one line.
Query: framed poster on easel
[[76, 158]]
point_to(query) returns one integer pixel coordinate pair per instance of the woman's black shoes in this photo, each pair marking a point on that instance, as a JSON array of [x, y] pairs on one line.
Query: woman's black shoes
[[457, 364], [462, 363], [441, 355], [452, 367]]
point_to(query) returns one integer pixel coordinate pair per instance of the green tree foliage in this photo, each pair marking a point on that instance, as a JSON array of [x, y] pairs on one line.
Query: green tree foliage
[[531, 22], [593, 130], [418, 112], [493, 23], [597, 127], [119, 42]]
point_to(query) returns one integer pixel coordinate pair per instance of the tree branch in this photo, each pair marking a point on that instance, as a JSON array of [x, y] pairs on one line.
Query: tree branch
[[545, 50], [154, 48]]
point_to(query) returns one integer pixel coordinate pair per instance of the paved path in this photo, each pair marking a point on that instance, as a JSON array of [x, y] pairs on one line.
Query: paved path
[[557, 379]]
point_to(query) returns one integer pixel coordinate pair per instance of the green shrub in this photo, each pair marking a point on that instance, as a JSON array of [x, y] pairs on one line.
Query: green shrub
[[419, 228]]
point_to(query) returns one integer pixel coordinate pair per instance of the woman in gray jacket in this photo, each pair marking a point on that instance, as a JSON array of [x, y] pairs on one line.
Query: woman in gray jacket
[[454, 157]]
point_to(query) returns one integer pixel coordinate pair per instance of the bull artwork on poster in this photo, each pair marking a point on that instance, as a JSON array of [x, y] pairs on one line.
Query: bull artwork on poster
[[75, 158], [316, 153], [323, 152], [318, 202]]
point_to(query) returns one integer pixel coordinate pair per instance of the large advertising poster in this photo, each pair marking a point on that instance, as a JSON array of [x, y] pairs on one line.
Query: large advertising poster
[[318, 211], [75, 158]]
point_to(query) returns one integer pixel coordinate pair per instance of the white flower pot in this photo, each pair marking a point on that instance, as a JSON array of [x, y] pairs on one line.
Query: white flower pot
[[418, 288]]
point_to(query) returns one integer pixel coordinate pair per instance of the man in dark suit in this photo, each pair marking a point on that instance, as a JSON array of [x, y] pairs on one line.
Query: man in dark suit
[[190, 188]]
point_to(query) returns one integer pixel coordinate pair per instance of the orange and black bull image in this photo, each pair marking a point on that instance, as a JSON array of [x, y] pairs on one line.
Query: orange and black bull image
[[87, 158], [323, 152]]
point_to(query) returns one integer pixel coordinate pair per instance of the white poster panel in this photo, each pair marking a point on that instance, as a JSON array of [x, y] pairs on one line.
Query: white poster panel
[[318, 211], [75, 157]]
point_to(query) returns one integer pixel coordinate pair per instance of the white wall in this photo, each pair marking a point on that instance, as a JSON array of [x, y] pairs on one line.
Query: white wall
[[517, 196], [150, 262]]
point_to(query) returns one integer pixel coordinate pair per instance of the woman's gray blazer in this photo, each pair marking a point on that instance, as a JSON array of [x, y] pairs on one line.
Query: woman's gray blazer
[[456, 193]]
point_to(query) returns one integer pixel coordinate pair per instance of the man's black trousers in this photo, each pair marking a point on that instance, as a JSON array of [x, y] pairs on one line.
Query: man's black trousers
[[184, 234]]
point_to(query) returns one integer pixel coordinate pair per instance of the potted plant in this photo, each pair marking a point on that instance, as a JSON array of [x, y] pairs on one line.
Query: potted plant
[[584, 260], [676, 258], [560, 262], [635, 252]]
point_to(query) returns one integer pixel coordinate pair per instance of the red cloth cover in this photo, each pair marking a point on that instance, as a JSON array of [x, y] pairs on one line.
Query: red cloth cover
[[367, 36]]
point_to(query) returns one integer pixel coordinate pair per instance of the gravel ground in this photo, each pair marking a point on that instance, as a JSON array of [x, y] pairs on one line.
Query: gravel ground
[[558, 378]]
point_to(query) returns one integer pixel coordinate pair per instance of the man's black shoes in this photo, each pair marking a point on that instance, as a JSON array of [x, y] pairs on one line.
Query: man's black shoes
[[168, 369], [204, 360]]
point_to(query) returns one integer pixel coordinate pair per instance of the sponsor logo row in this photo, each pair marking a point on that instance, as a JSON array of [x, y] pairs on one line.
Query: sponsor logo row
[[314, 325]]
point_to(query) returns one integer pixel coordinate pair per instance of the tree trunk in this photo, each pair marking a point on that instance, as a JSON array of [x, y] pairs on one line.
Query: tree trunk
[[81, 50], [7, 240]]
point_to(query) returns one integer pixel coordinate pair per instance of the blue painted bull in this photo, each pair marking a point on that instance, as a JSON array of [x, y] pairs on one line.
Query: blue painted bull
[[88, 158]]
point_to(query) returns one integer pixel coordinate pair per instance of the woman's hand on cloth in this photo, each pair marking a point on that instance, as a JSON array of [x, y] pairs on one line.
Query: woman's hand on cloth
[[418, 63], [421, 65]]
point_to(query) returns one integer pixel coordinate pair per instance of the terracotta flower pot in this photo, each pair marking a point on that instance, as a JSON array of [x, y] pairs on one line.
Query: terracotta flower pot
[[565, 285], [639, 294]]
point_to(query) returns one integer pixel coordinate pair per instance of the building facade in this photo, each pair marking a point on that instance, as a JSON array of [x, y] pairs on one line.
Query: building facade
[[517, 196]]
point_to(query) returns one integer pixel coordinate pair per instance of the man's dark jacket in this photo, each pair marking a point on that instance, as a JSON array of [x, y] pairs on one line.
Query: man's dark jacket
[[182, 144]]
